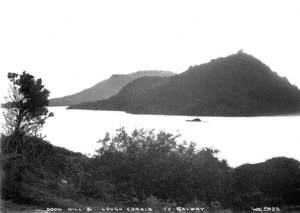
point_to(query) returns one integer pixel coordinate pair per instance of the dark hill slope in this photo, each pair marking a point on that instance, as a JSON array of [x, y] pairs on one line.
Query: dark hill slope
[[105, 89], [237, 85], [276, 180], [128, 96]]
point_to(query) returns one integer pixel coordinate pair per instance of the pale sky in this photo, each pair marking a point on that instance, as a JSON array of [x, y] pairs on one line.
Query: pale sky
[[74, 44]]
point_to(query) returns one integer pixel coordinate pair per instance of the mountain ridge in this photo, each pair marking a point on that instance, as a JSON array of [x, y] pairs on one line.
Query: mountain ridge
[[236, 85], [105, 88]]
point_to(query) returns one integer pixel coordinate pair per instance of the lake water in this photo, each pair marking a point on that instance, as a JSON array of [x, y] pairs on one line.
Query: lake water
[[240, 140]]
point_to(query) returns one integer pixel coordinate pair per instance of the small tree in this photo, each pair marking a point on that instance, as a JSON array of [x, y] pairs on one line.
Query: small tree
[[26, 110]]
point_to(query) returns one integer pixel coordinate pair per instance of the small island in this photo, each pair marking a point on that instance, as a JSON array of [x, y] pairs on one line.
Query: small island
[[194, 120]]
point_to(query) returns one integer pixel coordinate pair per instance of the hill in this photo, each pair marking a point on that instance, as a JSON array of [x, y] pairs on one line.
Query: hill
[[105, 89], [236, 85], [128, 96], [268, 182]]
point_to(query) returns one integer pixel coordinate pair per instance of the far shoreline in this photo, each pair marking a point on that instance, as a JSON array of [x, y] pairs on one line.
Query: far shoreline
[[159, 114]]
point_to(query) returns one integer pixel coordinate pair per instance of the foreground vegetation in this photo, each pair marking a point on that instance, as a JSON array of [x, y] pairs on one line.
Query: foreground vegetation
[[143, 169]]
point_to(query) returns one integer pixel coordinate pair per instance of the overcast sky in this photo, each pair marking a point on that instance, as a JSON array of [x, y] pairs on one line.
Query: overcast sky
[[74, 44]]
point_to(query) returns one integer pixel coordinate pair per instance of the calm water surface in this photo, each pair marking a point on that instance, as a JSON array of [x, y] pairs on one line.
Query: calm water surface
[[240, 140]]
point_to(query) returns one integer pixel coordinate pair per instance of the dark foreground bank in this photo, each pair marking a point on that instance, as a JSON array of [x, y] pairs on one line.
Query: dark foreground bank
[[143, 170]]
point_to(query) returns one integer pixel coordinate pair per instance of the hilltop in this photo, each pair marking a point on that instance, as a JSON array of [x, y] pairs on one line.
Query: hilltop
[[236, 85]]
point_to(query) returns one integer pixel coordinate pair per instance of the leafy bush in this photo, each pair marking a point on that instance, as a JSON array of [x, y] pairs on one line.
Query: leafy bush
[[144, 164]]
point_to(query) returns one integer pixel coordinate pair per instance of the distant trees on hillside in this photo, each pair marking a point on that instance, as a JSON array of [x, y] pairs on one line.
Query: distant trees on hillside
[[236, 85]]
